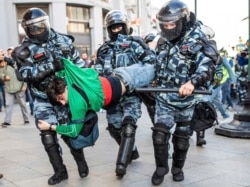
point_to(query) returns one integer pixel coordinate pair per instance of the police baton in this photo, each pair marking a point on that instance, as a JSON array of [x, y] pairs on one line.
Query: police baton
[[170, 90]]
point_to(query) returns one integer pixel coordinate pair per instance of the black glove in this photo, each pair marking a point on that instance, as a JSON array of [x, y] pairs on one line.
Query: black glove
[[39, 77], [58, 65], [149, 38]]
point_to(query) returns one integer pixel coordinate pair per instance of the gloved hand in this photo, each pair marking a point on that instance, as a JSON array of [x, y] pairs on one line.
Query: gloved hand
[[58, 65], [149, 37]]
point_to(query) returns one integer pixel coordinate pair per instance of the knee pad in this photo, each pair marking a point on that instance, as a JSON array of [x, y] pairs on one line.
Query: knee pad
[[49, 138], [181, 135], [160, 134], [128, 130], [128, 127], [180, 142], [128, 120], [159, 138]]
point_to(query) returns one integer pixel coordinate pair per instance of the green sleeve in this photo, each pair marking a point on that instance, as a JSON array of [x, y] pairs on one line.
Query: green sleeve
[[72, 130]]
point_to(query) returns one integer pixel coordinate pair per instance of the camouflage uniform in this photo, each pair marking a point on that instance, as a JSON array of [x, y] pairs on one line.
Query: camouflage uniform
[[124, 51], [180, 60], [36, 63]]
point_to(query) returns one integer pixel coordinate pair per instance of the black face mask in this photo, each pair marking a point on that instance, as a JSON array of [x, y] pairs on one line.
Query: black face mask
[[172, 34], [113, 35]]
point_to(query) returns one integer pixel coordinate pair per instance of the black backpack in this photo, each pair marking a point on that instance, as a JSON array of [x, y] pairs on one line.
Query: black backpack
[[204, 116]]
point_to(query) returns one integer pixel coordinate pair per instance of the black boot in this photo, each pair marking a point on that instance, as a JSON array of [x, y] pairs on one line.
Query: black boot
[[60, 174], [79, 157], [126, 146], [51, 146], [160, 138], [135, 155], [82, 166], [116, 134], [176, 170], [181, 145], [200, 138]]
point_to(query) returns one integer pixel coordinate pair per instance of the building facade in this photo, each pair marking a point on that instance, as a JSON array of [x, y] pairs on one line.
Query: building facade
[[84, 19]]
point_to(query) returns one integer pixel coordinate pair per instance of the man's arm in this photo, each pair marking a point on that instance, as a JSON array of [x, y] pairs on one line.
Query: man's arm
[[72, 130]]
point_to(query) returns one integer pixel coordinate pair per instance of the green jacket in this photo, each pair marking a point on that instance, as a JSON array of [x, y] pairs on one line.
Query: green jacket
[[88, 80]]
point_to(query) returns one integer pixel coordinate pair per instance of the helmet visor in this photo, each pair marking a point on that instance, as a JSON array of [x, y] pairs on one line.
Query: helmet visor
[[170, 18], [36, 29], [36, 26]]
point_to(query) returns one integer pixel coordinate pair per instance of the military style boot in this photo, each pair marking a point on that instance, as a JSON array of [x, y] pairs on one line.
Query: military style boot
[[126, 146], [160, 138], [51, 146], [200, 138], [83, 168], [79, 157], [116, 134], [60, 174], [181, 145]]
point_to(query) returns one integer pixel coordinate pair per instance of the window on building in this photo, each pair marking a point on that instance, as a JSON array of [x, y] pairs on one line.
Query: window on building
[[104, 29], [78, 19], [20, 9]]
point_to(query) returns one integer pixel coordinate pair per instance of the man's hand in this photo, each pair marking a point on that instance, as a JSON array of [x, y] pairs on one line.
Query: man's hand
[[43, 125], [186, 89], [6, 78]]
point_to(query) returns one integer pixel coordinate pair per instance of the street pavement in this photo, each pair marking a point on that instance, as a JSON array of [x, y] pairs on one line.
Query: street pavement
[[222, 162]]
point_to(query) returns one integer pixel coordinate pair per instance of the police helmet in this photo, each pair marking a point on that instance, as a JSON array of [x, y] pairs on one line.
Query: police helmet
[[35, 22], [173, 11], [117, 17]]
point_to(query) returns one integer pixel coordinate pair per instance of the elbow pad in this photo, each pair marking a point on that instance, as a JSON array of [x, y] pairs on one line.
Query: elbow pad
[[203, 77], [39, 77]]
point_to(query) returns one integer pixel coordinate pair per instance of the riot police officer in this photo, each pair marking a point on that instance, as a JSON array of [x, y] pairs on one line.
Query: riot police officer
[[38, 59], [183, 65], [120, 51]]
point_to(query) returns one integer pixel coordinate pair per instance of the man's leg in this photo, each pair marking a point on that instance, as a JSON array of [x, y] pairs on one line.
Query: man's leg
[[50, 142], [122, 127], [126, 146], [10, 102], [180, 141], [160, 136], [44, 110], [21, 101], [116, 134], [136, 75], [79, 157]]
